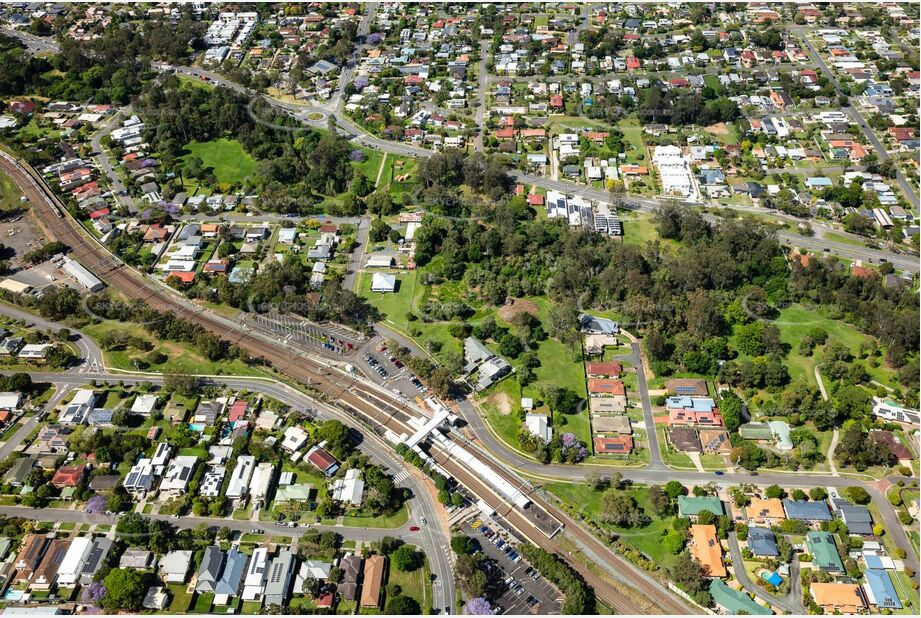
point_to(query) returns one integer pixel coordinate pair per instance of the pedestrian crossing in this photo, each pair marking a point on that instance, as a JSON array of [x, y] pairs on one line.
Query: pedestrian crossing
[[402, 476]]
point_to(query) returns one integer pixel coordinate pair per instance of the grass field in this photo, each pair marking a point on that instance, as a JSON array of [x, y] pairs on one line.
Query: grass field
[[414, 584], [384, 521], [180, 357], [844, 239], [647, 539], [796, 321], [9, 194], [231, 164]]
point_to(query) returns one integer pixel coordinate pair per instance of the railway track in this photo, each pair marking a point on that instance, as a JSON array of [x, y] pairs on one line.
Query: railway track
[[380, 409]]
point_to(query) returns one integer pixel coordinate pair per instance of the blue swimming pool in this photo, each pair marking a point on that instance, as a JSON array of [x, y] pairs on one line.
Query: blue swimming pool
[[199, 427], [772, 578]]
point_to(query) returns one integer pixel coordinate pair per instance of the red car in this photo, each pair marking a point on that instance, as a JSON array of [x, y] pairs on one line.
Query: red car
[[414, 528]]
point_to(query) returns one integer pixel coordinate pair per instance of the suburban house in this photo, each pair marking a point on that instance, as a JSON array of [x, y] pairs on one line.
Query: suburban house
[[47, 571], [373, 578], [603, 369], [29, 557], [351, 573], [835, 598], [687, 387], [805, 510], [683, 410], [821, 546], [322, 461], [613, 445], [490, 368], [706, 549], [735, 602], [692, 506], [348, 489], [765, 511], [238, 486], [761, 541], [175, 566], [539, 425], [280, 579], [880, 591]]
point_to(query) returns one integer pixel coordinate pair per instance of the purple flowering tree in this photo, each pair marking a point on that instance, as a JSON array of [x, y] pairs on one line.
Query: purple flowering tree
[[478, 606], [357, 156], [93, 594], [96, 504], [569, 440], [375, 38]]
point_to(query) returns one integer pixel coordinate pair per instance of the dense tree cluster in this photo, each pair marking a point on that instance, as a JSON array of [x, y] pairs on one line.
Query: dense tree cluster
[[297, 167], [579, 597], [164, 326], [861, 449]]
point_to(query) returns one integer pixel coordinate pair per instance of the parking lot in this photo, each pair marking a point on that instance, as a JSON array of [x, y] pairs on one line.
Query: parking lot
[[376, 362], [524, 590]]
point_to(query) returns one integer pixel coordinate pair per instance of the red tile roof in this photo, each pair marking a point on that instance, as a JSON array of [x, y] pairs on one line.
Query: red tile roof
[[607, 368], [607, 387], [618, 444], [68, 476], [321, 459]]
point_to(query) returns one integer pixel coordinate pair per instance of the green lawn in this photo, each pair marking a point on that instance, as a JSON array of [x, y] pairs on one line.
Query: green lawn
[[231, 164], [395, 520], [844, 239], [203, 603], [796, 321], [414, 584], [9, 194], [180, 598]]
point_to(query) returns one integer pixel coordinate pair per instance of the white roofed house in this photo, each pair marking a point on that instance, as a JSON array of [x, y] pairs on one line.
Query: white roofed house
[[539, 425], [238, 487], [144, 405], [382, 282], [256, 574], [261, 483], [80, 405], [348, 489], [174, 566], [176, 481], [294, 438], [72, 564]]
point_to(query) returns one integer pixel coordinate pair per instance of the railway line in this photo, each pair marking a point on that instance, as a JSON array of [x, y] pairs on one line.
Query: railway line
[[380, 408]]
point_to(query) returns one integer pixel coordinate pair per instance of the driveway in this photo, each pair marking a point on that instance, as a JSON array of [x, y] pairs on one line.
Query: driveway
[[792, 602]]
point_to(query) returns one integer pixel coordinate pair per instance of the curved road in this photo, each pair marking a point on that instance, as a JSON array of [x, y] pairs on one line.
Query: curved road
[[791, 603]]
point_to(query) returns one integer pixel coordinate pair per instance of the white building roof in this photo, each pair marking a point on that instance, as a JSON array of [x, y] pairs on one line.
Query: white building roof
[[72, 564], [262, 481], [538, 425], [239, 478], [349, 489], [294, 438]]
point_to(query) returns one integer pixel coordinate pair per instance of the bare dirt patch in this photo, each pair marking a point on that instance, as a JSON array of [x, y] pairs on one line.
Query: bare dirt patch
[[719, 128], [502, 402], [518, 306]]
